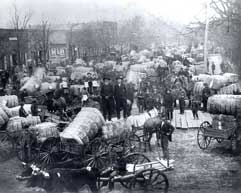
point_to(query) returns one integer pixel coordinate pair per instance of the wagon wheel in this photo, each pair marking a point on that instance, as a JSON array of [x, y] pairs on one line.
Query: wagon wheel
[[96, 145], [134, 158], [219, 140], [135, 143], [202, 140], [50, 152], [150, 180], [25, 146], [98, 157], [6, 146]]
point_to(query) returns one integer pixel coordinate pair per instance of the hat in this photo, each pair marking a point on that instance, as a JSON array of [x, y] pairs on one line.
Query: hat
[[119, 77], [106, 78]]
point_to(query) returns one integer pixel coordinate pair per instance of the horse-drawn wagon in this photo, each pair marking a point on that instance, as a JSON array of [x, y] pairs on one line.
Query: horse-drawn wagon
[[23, 138], [223, 127], [87, 138], [140, 173]]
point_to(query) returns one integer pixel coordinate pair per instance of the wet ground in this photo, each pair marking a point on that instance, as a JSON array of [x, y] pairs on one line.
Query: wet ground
[[214, 170]]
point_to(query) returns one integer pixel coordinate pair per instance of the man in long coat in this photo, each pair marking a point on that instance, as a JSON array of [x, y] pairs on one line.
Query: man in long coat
[[107, 94], [120, 95]]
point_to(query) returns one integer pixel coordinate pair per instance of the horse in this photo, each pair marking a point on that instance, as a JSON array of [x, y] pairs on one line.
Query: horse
[[158, 125]]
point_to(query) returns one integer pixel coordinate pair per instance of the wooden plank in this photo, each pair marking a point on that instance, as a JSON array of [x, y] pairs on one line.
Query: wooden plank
[[174, 121], [187, 114], [184, 121], [191, 121]]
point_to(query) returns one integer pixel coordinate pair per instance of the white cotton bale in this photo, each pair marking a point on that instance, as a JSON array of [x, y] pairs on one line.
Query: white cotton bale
[[9, 100], [224, 104], [79, 129], [18, 123], [230, 89], [198, 88], [34, 81], [116, 128], [46, 87], [139, 120], [15, 110], [45, 130], [77, 89]]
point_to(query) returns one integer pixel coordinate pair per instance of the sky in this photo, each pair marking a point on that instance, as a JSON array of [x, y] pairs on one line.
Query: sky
[[66, 11]]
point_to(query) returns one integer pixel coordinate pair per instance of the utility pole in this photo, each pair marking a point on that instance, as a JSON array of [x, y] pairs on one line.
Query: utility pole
[[206, 34]]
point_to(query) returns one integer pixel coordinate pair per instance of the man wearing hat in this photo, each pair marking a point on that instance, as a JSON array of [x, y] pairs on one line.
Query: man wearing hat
[[166, 135], [120, 95], [90, 83], [34, 108], [22, 112], [168, 103], [107, 94], [205, 94]]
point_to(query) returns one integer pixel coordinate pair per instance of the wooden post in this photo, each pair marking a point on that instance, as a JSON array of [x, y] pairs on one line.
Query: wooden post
[[206, 35]]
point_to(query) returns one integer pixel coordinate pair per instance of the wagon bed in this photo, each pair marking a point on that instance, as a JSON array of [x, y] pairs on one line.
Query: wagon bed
[[208, 132]]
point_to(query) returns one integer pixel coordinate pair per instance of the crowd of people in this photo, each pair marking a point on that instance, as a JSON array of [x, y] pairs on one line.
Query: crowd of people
[[172, 87]]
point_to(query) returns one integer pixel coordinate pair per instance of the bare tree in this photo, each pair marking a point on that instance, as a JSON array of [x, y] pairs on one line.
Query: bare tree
[[19, 22]]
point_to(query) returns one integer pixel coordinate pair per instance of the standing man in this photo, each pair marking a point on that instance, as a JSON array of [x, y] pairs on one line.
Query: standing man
[[34, 108], [166, 135], [130, 89], [213, 67], [182, 96], [90, 83], [120, 95], [140, 101], [205, 94], [107, 94], [22, 112], [168, 103]]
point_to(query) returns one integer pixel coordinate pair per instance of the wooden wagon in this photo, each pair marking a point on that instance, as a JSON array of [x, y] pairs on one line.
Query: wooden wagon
[[141, 174], [25, 143], [95, 153], [208, 132]]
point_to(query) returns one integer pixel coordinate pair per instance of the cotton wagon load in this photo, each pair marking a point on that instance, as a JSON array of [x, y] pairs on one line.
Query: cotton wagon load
[[46, 87], [139, 120], [198, 88], [85, 125], [135, 77], [138, 68], [9, 100], [24, 80], [15, 110], [18, 123], [81, 72], [45, 130], [224, 104], [50, 79], [34, 82], [202, 78], [76, 89], [60, 71], [231, 77], [218, 81], [5, 115], [230, 89], [116, 128]]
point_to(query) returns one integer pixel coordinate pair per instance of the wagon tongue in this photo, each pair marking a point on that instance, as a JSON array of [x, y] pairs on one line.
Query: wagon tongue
[[23, 178]]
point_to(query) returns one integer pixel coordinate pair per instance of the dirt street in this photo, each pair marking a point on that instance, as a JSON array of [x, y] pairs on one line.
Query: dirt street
[[212, 171]]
